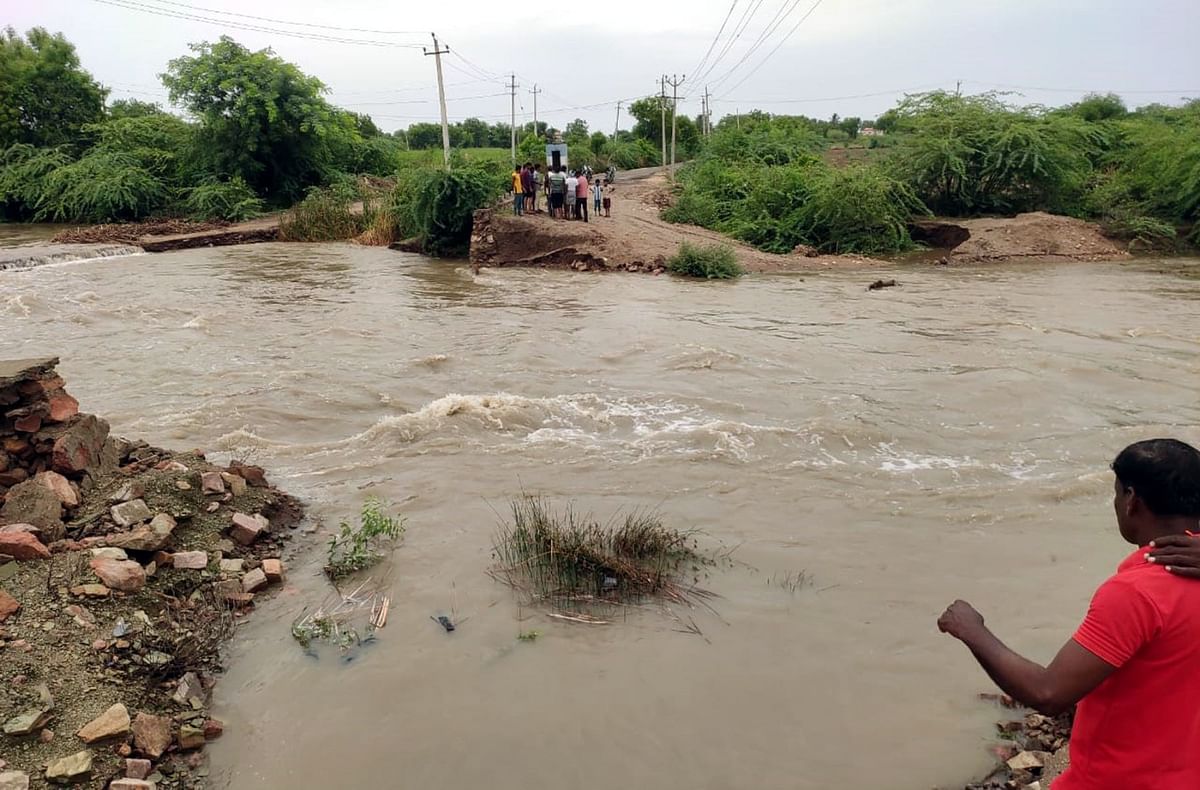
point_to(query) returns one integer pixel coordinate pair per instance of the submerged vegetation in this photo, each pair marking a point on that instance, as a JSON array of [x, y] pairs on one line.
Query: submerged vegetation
[[571, 561], [355, 548], [715, 262]]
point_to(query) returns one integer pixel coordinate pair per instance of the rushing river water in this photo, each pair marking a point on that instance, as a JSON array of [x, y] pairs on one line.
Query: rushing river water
[[903, 447]]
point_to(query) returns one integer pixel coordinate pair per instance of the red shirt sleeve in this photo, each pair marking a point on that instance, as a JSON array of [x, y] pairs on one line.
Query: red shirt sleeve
[[1119, 621]]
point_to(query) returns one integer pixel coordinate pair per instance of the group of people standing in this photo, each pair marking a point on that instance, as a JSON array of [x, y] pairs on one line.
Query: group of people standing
[[568, 192]]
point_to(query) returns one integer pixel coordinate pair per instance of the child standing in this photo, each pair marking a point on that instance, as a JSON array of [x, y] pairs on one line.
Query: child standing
[[608, 190], [597, 194]]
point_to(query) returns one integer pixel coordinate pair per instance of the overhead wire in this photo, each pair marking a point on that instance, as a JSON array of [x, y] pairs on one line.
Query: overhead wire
[[767, 32], [131, 5], [782, 41], [288, 22], [716, 38], [738, 31]]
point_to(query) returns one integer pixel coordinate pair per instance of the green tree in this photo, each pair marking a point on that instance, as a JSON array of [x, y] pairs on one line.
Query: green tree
[[850, 126], [261, 118], [1099, 107], [647, 113], [133, 108], [46, 98], [598, 141], [474, 132]]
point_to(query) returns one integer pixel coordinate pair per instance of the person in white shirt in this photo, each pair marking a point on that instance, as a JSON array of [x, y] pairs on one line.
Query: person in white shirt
[[572, 188]]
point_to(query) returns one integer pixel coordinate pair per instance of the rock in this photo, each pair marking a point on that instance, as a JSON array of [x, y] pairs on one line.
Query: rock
[[213, 728], [91, 591], [62, 407], [131, 784], [183, 485], [1025, 761], [31, 502], [212, 507], [14, 780], [254, 475], [46, 735], [191, 737], [60, 486], [30, 423], [30, 528], [232, 565], [137, 768], [151, 537], [112, 723], [80, 446], [189, 688], [212, 483], [151, 734], [123, 575], [273, 568], [28, 722], [254, 581], [236, 483], [110, 553], [245, 529], [130, 513], [190, 560], [71, 769], [129, 491], [23, 546], [8, 605]]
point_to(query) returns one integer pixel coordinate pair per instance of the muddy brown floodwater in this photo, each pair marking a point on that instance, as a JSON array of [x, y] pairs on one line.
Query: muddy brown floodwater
[[903, 447]]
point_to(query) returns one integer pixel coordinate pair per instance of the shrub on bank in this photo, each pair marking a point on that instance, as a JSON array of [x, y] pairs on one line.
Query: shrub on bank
[[439, 207], [325, 214], [714, 262], [231, 200]]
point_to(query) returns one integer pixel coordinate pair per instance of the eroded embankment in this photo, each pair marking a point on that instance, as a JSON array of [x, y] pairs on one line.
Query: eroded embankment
[[123, 567]]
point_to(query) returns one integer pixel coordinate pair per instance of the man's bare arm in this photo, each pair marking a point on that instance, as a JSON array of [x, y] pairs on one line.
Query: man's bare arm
[[1073, 673]]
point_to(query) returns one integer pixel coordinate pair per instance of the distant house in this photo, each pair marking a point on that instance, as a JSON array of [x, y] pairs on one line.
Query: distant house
[[870, 131]]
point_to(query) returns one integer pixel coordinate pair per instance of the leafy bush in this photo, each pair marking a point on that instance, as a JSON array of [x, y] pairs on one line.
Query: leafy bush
[[100, 187], [857, 209], [356, 548], [325, 214], [439, 207], [23, 173], [715, 262], [231, 200]]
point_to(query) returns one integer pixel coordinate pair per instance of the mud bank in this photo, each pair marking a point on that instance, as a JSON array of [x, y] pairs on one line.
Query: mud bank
[[167, 235], [123, 568], [1036, 235]]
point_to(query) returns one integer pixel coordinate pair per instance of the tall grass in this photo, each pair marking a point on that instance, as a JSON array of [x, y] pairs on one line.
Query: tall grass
[[568, 559], [325, 214], [715, 262]]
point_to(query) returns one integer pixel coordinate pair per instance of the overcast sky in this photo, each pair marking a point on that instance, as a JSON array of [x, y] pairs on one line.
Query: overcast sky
[[852, 57]]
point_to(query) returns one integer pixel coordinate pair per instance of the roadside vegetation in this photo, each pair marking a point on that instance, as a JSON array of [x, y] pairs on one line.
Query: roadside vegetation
[[766, 179], [715, 262]]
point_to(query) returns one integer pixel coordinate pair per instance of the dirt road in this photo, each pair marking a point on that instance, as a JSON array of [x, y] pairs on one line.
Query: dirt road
[[634, 238]]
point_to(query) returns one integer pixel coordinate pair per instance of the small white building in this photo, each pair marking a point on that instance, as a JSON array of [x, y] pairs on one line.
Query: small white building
[[870, 131]]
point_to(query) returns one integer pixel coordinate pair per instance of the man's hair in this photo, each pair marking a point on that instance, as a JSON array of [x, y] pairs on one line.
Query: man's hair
[[1165, 473]]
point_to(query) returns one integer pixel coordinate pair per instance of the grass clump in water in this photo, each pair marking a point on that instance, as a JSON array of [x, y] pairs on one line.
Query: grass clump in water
[[356, 548], [715, 262], [568, 559]]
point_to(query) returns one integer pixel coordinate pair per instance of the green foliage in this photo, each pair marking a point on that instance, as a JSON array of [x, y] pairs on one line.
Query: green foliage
[[24, 170], [325, 214], [103, 186], [439, 207], [159, 143], [133, 108], [231, 200], [46, 98], [1099, 107], [261, 118], [356, 548], [715, 262], [967, 155], [857, 209]]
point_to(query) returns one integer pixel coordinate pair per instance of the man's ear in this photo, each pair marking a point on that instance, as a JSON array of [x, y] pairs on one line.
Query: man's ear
[[1133, 502]]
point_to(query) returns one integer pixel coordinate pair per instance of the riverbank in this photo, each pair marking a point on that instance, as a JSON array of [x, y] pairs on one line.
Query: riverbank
[[123, 570]]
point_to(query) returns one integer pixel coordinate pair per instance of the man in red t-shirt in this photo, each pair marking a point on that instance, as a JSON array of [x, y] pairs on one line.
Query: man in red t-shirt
[[1134, 664]]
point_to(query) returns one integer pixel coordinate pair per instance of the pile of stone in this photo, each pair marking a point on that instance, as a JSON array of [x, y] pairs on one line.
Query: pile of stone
[[48, 449], [1033, 750]]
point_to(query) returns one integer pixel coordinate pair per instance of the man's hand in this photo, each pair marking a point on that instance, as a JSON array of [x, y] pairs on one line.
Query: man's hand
[[1179, 554], [960, 620]]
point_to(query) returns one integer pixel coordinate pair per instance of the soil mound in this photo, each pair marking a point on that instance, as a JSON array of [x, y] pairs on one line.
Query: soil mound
[[1033, 235]]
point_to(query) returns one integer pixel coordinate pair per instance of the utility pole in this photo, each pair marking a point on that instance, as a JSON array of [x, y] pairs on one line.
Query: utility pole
[[536, 90], [512, 89], [675, 83], [437, 58], [662, 105], [958, 88], [707, 113], [617, 125]]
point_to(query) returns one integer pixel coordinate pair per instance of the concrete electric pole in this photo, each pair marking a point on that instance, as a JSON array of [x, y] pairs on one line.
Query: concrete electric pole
[[536, 90], [675, 83], [437, 58], [512, 89]]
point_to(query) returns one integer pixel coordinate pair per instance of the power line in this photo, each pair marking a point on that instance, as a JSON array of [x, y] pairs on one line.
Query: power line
[[423, 101], [130, 5], [716, 38], [768, 31], [782, 41], [738, 30], [296, 24], [1079, 90]]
